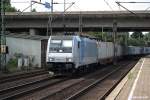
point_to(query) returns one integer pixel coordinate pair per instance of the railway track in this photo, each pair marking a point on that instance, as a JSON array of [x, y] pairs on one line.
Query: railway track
[[101, 88], [11, 90], [73, 91], [68, 88], [37, 94], [14, 77], [44, 87]]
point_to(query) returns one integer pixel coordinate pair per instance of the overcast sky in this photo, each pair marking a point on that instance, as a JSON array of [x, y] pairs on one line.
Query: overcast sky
[[83, 5]]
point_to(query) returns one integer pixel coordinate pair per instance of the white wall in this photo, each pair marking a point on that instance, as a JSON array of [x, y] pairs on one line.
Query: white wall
[[26, 47]]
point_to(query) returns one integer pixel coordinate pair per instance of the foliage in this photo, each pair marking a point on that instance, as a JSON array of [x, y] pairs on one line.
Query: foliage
[[137, 35], [136, 42], [33, 10], [148, 43], [8, 7], [136, 39], [12, 65], [139, 39], [147, 36], [13, 62], [121, 40], [101, 35], [18, 55]]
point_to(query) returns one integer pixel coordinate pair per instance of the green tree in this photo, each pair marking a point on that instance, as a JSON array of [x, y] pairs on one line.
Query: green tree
[[137, 39], [147, 36], [137, 34], [136, 42], [33, 10], [8, 7], [101, 35]]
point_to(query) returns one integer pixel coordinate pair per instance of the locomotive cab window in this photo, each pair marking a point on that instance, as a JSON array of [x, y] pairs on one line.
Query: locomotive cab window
[[67, 43], [60, 46]]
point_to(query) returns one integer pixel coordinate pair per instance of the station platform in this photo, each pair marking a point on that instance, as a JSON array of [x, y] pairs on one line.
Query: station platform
[[136, 84]]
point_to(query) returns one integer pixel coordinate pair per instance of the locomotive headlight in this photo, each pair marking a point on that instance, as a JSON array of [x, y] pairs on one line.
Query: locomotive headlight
[[51, 59], [69, 59]]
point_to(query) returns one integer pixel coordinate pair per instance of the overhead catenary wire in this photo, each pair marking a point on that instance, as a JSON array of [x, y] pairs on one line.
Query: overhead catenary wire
[[133, 2], [76, 6], [147, 8], [26, 8], [51, 19], [119, 4], [108, 5], [69, 6], [65, 9], [126, 8], [21, 2], [80, 16]]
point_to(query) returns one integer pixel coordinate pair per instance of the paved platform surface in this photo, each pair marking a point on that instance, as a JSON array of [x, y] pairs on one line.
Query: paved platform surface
[[138, 85]]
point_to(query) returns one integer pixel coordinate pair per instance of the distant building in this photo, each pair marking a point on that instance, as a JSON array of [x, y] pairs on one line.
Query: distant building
[[33, 47]]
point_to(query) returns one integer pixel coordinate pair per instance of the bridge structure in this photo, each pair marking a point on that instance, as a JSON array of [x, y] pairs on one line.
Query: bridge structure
[[36, 22]]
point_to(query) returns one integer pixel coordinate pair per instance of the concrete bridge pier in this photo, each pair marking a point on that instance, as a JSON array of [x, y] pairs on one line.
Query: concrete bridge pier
[[33, 31]]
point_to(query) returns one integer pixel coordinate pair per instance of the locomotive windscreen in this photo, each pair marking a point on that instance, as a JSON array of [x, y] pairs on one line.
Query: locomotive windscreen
[[60, 45]]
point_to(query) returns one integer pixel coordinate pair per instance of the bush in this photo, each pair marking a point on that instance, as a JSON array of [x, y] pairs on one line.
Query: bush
[[12, 65]]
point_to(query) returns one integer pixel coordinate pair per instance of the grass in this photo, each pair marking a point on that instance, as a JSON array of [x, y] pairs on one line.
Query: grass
[[12, 65]]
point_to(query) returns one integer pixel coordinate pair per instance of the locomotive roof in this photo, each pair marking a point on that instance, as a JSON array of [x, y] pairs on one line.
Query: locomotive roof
[[70, 36], [62, 37]]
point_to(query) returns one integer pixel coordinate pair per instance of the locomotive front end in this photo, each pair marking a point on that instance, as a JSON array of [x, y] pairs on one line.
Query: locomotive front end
[[59, 54]]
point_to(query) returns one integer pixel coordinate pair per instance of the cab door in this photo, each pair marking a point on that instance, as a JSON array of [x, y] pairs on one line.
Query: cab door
[[76, 50]]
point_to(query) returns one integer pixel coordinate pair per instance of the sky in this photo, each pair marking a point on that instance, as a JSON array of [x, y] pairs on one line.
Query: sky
[[82, 5]]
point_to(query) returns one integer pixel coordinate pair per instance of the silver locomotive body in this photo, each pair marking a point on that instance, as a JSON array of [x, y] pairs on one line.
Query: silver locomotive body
[[59, 53], [69, 53], [72, 53]]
